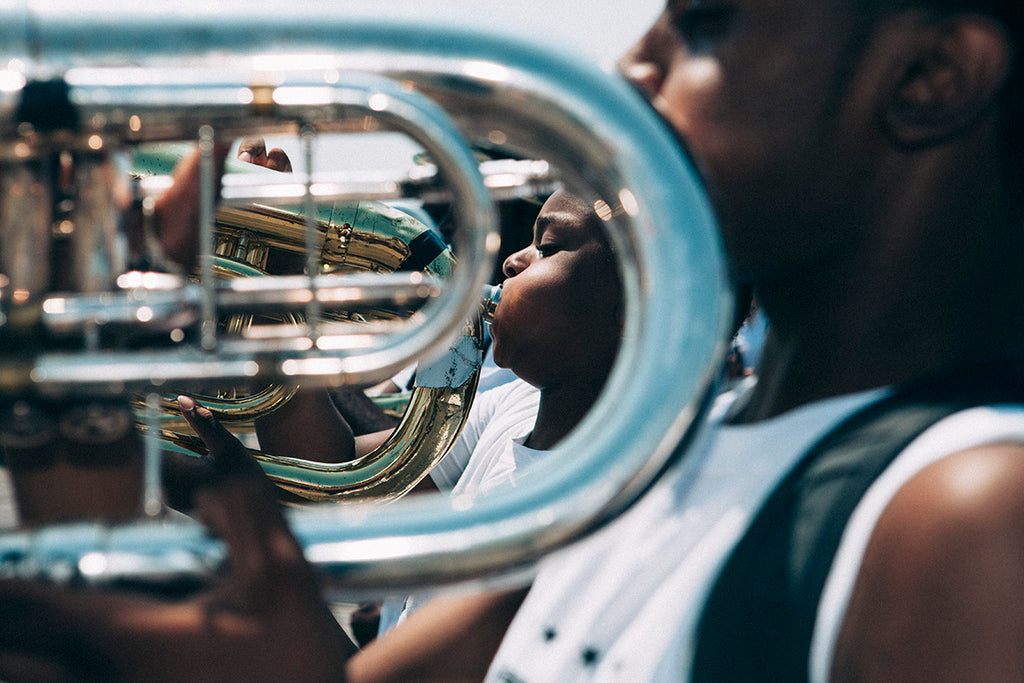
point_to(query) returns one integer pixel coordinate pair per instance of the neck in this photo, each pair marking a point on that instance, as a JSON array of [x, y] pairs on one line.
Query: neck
[[561, 409], [944, 292]]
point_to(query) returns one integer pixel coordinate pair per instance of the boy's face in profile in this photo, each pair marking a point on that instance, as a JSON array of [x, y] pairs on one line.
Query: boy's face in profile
[[774, 100], [559, 314]]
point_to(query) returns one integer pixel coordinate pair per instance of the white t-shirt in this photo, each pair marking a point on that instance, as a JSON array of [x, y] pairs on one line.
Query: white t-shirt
[[488, 453], [504, 408]]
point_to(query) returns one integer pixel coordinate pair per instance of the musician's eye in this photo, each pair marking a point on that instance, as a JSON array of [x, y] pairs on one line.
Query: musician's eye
[[702, 26], [548, 249]]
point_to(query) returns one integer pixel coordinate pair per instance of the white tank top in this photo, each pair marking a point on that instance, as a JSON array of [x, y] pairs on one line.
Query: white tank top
[[623, 604], [958, 432]]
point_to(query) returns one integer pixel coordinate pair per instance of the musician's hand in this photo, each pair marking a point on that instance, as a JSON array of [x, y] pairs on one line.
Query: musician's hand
[[185, 476], [264, 620], [254, 151], [177, 210]]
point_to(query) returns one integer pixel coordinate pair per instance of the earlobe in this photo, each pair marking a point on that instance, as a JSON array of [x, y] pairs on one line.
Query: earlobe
[[953, 79]]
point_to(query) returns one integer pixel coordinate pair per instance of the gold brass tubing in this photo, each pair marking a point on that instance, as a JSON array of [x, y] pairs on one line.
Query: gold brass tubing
[[429, 428]]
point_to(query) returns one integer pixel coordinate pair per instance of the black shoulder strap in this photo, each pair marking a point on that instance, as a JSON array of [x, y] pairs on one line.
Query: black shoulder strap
[[758, 621]]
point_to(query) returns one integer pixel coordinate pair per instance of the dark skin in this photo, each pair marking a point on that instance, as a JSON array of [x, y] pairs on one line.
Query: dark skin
[[564, 285], [558, 321], [916, 272], [938, 597], [266, 610], [829, 290], [80, 471], [254, 151], [863, 193], [556, 327], [270, 594]]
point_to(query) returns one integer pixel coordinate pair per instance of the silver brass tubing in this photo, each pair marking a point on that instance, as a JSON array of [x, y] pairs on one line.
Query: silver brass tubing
[[207, 163], [24, 230], [506, 179], [181, 307], [408, 111], [152, 485], [605, 145], [312, 257], [99, 251]]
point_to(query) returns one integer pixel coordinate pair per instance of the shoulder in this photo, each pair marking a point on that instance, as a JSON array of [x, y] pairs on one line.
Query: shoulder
[[982, 483], [964, 501], [940, 591]]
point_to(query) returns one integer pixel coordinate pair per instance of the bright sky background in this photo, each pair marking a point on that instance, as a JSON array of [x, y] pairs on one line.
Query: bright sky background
[[601, 29]]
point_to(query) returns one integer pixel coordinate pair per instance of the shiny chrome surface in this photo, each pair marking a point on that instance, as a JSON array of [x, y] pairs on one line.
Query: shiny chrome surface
[[602, 141], [353, 237], [103, 96], [431, 422]]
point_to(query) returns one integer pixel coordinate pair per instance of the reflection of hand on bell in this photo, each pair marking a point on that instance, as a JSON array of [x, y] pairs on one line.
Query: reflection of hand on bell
[[176, 212]]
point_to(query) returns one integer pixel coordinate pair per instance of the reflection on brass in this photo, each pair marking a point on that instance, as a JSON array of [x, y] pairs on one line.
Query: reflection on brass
[[364, 236], [431, 424], [595, 134], [234, 405]]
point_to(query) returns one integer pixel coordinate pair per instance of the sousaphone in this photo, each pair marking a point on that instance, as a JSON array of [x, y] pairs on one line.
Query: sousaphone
[[121, 79]]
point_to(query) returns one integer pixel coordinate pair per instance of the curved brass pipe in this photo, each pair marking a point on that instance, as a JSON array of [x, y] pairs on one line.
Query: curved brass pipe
[[603, 143], [428, 429], [350, 237]]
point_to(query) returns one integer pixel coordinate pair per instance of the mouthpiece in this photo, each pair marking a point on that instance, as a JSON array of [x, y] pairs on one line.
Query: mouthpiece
[[489, 302]]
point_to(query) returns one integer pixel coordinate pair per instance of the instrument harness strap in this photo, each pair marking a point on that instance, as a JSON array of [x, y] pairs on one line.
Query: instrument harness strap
[[759, 618]]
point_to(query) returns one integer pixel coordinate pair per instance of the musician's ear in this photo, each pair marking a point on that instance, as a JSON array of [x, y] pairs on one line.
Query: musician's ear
[[950, 76]]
